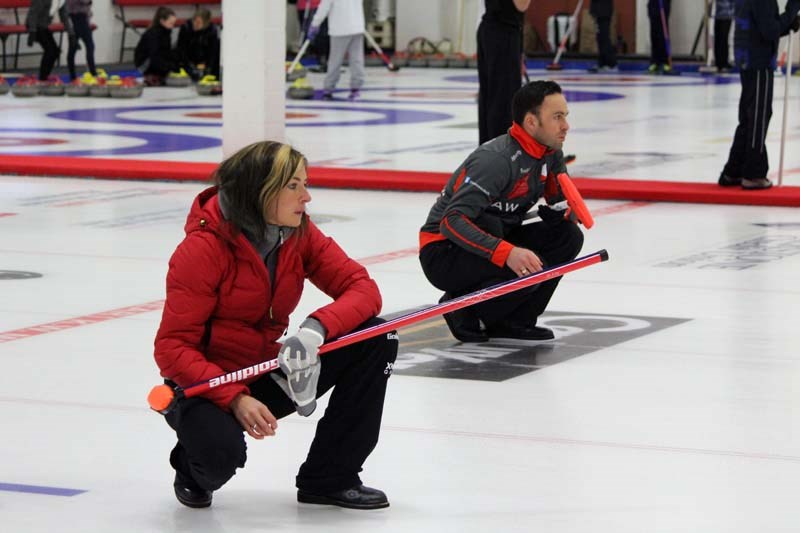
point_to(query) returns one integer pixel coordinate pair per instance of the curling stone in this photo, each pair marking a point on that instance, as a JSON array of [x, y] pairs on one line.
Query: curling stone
[[457, 61], [4, 87], [25, 86], [373, 60], [178, 79], [127, 87], [400, 59], [100, 88], [209, 86], [298, 72], [418, 60], [77, 88], [301, 89], [52, 87], [438, 61]]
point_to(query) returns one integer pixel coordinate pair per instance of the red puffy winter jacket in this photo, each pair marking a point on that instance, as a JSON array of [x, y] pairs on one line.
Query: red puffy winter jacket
[[221, 312]]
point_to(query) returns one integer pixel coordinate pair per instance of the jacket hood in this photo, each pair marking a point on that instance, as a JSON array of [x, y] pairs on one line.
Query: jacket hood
[[206, 215]]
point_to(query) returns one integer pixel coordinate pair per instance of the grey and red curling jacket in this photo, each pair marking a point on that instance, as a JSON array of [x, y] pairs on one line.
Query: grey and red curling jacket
[[223, 312], [490, 193]]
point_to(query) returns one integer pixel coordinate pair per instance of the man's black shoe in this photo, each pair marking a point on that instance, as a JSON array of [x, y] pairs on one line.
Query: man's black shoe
[[519, 331], [358, 497], [727, 181], [463, 325], [189, 494]]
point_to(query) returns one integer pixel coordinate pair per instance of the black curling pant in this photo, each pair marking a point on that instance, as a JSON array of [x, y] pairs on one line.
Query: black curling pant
[[606, 53], [456, 271], [211, 442], [45, 38], [748, 155], [499, 77]]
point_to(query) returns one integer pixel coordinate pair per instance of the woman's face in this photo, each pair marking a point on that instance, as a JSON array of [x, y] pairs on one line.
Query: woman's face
[[197, 23], [288, 207], [169, 22]]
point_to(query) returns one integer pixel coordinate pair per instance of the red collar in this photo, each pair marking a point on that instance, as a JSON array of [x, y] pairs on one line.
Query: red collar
[[531, 146]]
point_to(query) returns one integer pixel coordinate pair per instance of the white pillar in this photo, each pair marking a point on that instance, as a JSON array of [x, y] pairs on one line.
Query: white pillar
[[254, 75]]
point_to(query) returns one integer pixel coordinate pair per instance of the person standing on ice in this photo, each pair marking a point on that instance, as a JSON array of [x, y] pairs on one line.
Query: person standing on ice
[[346, 30]]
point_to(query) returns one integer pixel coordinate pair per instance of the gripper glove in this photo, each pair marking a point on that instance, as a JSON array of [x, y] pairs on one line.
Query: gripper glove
[[299, 360]]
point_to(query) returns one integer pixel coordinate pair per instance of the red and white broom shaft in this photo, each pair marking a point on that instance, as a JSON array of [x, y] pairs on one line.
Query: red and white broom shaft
[[572, 24], [399, 322]]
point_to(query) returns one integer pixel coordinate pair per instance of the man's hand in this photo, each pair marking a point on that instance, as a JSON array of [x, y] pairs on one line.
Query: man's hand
[[254, 416], [795, 26], [523, 262], [313, 31], [300, 363], [550, 216]]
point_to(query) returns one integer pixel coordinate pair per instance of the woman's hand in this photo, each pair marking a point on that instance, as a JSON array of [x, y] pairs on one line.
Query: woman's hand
[[254, 417]]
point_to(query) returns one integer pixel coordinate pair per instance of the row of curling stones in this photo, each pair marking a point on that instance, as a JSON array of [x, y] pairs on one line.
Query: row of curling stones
[[208, 85], [404, 59], [88, 85]]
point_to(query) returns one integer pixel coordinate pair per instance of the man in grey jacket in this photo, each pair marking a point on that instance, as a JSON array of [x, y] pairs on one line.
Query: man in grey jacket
[[474, 237]]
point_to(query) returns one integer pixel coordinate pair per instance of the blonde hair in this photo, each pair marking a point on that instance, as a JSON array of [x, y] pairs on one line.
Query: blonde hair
[[252, 178]]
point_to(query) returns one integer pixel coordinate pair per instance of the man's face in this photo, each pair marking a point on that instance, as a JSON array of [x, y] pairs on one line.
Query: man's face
[[549, 127]]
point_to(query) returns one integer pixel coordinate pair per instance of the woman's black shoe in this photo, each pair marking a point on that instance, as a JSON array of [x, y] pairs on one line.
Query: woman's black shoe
[[189, 494], [358, 497]]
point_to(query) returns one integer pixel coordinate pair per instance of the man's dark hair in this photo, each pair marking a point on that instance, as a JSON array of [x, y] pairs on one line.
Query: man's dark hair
[[529, 98]]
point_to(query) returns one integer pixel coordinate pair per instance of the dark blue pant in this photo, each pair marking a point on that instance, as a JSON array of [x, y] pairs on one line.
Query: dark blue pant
[[658, 40], [211, 442], [83, 31]]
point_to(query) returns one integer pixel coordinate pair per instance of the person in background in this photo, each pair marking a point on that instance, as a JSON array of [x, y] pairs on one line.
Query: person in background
[[660, 60], [759, 27], [499, 53], [153, 54], [198, 45], [602, 10], [723, 18], [232, 284], [346, 28], [80, 11], [320, 45], [37, 22], [474, 238]]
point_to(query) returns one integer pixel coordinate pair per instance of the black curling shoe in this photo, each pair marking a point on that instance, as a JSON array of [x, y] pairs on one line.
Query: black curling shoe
[[358, 497], [462, 324], [189, 494], [518, 331]]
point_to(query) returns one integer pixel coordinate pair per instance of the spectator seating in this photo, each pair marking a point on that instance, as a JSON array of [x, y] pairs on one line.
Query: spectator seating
[[138, 26]]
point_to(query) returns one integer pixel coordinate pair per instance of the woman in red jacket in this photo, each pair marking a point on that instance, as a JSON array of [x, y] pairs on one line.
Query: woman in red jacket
[[231, 286]]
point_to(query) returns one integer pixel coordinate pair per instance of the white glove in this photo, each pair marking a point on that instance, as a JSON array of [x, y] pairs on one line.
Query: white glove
[[299, 361]]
